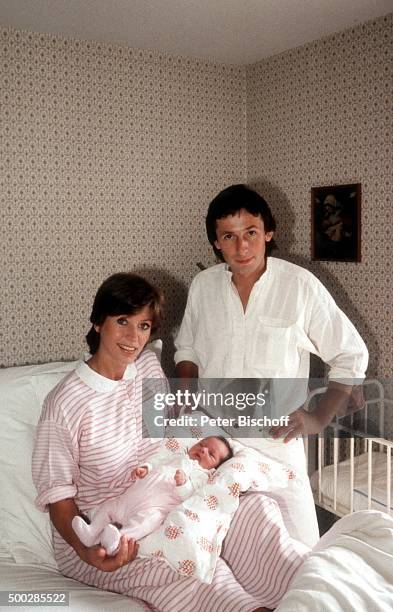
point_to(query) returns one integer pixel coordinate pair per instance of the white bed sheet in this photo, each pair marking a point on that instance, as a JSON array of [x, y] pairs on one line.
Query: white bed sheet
[[350, 569], [82, 598], [360, 498]]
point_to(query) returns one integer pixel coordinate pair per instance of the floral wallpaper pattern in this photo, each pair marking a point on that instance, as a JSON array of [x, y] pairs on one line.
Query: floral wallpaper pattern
[[110, 155]]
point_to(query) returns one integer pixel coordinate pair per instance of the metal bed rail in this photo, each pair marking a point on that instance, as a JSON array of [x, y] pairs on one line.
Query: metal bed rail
[[367, 443]]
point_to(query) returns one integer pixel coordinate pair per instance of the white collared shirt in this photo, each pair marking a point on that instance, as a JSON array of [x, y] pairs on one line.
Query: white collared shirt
[[100, 383], [289, 315]]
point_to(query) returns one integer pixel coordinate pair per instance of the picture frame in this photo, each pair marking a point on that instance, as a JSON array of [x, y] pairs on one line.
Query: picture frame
[[336, 223]]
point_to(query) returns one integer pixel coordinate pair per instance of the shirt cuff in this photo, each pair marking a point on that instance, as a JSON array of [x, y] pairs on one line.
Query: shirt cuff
[[149, 466], [345, 378], [54, 495], [185, 489], [186, 355]]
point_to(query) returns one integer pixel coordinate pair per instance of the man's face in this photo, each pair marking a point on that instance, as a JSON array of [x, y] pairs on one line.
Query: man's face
[[209, 452], [242, 239]]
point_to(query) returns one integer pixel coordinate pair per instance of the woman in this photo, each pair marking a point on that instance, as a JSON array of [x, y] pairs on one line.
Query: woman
[[89, 439]]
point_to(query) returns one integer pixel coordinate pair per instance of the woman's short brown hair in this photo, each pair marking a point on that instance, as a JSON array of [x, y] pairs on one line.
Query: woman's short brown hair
[[123, 293]]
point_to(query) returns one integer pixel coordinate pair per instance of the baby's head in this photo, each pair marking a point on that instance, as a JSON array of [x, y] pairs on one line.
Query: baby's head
[[211, 452]]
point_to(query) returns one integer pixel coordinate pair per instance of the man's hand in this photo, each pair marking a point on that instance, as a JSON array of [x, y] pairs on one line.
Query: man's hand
[[180, 478], [139, 472], [356, 402], [97, 557], [300, 423], [338, 399]]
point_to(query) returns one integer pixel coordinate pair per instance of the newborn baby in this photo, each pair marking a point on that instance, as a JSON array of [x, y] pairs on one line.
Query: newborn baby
[[159, 486]]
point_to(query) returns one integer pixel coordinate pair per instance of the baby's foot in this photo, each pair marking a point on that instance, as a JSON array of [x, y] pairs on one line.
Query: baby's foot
[[110, 539], [83, 531]]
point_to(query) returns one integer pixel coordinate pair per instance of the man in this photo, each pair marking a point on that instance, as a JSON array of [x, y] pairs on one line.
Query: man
[[255, 316]]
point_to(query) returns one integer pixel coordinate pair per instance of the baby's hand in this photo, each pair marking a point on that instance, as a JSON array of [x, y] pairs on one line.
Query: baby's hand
[[139, 472], [180, 478]]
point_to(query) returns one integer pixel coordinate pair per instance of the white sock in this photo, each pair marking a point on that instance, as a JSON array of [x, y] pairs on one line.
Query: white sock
[[110, 539], [83, 531]]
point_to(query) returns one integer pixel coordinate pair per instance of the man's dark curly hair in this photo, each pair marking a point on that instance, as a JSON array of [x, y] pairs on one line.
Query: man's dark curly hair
[[229, 202]]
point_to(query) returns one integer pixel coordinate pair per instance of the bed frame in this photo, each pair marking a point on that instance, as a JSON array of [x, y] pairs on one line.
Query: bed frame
[[355, 441]]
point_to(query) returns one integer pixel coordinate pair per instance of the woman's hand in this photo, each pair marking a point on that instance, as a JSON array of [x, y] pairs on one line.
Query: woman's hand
[[97, 557], [62, 513]]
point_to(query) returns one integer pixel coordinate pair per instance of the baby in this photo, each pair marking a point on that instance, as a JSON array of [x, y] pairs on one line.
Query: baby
[[159, 486]]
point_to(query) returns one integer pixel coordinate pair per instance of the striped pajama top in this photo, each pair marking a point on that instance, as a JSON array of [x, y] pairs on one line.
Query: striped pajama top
[[89, 436]]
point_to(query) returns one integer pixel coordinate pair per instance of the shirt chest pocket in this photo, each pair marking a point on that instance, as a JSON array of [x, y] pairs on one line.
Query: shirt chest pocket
[[275, 345]]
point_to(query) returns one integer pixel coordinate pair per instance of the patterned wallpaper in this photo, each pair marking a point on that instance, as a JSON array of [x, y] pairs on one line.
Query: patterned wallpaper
[[109, 156], [321, 114]]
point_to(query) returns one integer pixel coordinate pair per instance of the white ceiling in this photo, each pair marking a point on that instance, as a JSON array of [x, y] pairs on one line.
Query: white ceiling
[[230, 31]]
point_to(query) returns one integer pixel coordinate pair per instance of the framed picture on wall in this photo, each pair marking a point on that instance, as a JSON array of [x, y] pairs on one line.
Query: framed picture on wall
[[335, 223]]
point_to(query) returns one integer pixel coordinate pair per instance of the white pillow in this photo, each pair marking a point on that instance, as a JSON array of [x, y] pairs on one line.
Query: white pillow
[[156, 347], [24, 530]]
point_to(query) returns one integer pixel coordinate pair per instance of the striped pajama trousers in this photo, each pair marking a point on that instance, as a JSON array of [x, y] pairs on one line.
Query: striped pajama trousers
[[259, 560]]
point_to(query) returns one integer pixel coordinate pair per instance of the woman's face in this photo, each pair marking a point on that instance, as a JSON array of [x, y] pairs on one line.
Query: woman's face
[[123, 337]]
